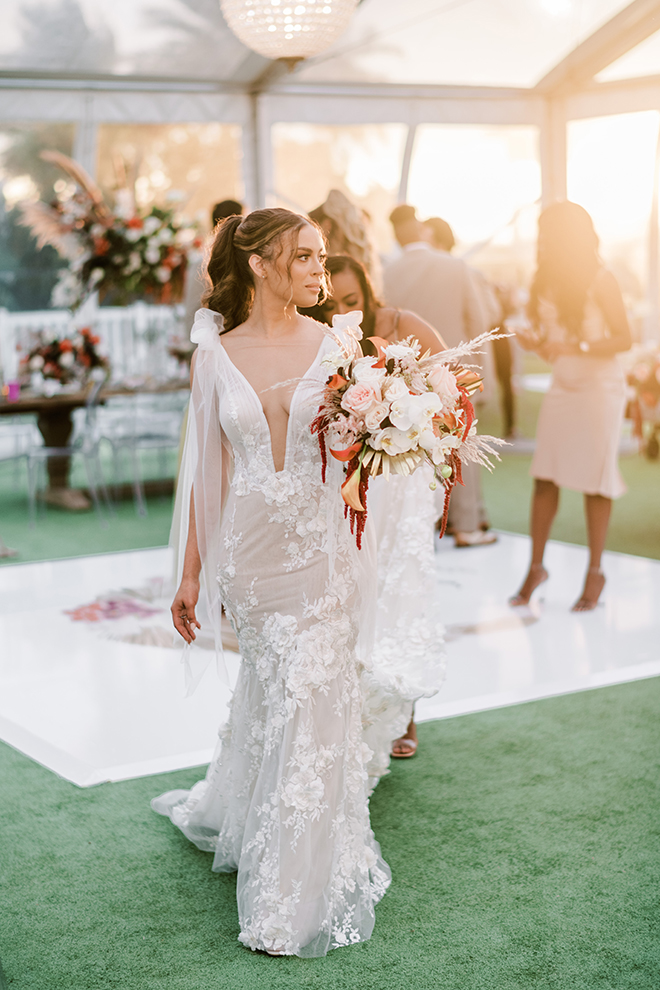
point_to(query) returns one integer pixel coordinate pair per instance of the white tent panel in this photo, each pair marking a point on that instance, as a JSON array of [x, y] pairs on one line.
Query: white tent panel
[[644, 60], [138, 37], [121, 107], [470, 42]]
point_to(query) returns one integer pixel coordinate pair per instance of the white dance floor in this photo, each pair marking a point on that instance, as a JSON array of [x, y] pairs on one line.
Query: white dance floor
[[97, 693]]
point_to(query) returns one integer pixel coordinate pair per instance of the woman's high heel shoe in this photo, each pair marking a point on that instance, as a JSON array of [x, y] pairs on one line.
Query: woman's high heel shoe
[[536, 577], [588, 600]]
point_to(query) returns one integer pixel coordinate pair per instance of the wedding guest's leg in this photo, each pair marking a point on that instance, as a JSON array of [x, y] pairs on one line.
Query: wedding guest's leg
[[467, 513], [597, 509], [545, 502]]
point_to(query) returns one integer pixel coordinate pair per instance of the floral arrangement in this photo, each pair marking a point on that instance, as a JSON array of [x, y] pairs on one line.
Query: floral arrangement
[[121, 255], [112, 607], [644, 376], [64, 359], [391, 413]]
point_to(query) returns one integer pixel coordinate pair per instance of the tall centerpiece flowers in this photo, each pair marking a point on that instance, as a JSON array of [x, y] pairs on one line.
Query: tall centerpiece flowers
[[122, 255], [392, 413]]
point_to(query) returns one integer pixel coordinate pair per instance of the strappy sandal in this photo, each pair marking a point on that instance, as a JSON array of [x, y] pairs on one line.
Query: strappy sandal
[[584, 604], [412, 743], [516, 600]]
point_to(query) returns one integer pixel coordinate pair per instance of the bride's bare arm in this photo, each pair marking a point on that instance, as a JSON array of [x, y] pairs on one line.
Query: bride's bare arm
[[428, 336], [187, 596]]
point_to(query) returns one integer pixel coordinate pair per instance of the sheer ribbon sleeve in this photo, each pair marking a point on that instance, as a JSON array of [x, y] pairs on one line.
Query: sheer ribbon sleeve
[[204, 476]]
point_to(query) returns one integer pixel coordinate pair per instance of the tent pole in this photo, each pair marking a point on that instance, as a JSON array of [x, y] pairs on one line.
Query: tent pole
[[405, 163], [553, 151], [653, 285], [258, 165], [86, 137]]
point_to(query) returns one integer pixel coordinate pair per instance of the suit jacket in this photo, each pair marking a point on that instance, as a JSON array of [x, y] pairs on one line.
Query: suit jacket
[[440, 289]]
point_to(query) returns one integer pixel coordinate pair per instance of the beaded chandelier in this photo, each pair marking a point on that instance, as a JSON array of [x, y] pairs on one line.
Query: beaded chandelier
[[286, 29]]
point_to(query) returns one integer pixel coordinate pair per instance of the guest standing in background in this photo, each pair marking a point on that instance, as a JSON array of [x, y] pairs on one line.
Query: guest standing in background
[[498, 304], [348, 232], [195, 284], [579, 325], [441, 290]]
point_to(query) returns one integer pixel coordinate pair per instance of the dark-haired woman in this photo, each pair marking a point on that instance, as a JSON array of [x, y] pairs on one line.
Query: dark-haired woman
[[284, 801], [408, 655], [579, 325]]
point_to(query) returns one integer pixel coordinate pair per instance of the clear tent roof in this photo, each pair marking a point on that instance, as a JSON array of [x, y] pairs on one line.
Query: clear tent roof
[[465, 42]]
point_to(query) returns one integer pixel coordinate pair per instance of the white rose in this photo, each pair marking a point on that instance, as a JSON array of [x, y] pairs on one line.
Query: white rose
[[364, 371], [375, 416], [400, 352], [165, 235], [391, 441], [395, 388], [163, 274], [152, 255], [133, 234], [67, 360]]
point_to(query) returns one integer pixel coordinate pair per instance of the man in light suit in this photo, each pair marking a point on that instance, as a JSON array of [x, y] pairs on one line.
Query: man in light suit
[[440, 289]]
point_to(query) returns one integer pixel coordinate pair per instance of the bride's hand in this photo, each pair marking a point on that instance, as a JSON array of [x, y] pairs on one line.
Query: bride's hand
[[183, 609]]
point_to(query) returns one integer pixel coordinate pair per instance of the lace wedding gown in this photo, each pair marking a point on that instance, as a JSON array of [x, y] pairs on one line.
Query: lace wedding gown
[[408, 654], [285, 799]]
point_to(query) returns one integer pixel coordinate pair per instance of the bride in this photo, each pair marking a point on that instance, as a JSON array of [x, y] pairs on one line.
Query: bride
[[284, 802]]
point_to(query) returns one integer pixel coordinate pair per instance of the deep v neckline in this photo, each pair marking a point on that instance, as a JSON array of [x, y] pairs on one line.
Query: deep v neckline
[[261, 408]]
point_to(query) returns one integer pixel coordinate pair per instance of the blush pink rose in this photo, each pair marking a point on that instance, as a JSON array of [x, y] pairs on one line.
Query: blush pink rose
[[444, 385], [359, 399]]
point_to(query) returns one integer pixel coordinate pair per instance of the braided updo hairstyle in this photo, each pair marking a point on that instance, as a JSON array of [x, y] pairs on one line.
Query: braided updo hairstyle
[[261, 232]]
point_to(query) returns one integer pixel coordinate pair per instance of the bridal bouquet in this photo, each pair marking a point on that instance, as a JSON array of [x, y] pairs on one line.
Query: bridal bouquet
[[391, 413]]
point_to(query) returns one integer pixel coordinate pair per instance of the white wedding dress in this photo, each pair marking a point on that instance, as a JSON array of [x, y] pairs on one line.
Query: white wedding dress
[[285, 799]]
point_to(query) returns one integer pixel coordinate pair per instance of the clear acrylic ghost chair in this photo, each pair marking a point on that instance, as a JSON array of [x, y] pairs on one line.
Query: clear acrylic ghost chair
[[85, 443], [147, 422]]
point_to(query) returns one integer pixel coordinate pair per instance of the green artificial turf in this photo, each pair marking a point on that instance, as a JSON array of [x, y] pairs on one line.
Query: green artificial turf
[[524, 845], [59, 534]]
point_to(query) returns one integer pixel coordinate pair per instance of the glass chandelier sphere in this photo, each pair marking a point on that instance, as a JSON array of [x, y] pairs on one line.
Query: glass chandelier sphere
[[286, 29]]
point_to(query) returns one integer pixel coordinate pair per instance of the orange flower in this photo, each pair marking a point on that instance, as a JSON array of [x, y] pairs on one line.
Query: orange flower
[[350, 491], [336, 382], [348, 453]]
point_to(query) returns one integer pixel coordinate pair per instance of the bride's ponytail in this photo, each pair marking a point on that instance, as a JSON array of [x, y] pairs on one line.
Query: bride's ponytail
[[232, 287], [228, 268]]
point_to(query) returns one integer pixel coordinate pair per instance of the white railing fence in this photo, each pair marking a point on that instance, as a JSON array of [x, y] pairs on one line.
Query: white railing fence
[[135, 338]]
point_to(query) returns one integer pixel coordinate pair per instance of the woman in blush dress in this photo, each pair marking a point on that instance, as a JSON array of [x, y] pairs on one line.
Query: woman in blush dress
[[579, 325], [285, 799], [408, 655]]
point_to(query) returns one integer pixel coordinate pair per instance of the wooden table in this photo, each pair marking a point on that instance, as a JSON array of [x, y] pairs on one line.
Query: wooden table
[[55, 423]]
